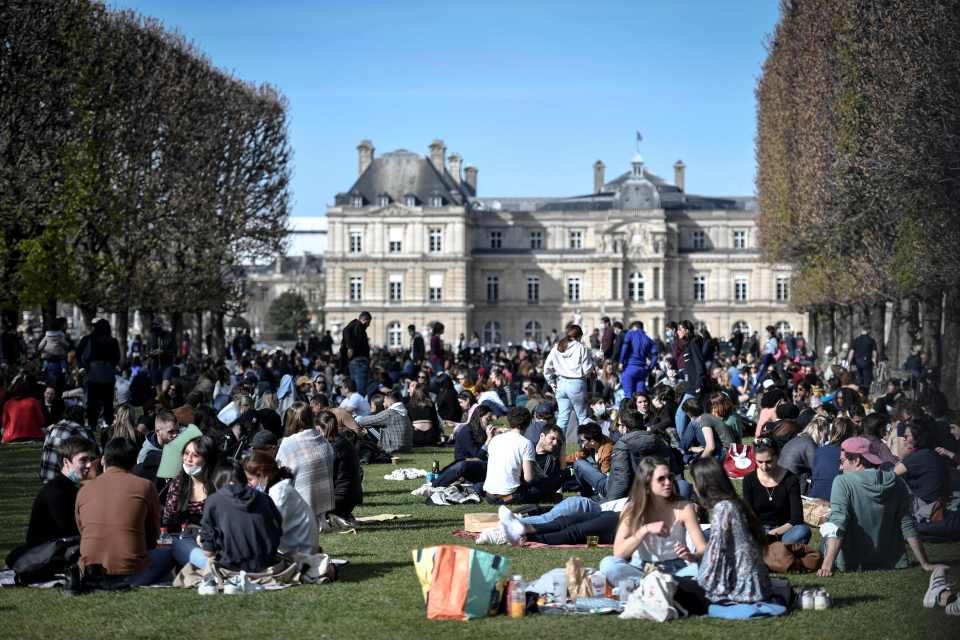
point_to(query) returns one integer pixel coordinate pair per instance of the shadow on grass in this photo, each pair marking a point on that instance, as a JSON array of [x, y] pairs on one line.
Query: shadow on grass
[[362, 572], [409, 523], [851, 601]]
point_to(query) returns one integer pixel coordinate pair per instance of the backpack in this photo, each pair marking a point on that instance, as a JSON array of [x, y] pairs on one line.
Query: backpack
[[369, 453], [42, 562]]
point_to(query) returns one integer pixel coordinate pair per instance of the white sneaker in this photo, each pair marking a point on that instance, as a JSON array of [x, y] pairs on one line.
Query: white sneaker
[[938, 583], [513, 529], [208, 586], [493, 535], [953, 608], [234, 585]]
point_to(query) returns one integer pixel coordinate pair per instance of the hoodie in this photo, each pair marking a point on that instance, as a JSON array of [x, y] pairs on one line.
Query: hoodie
[[242, 527], [53, 346], [872, 511], [575, 361]]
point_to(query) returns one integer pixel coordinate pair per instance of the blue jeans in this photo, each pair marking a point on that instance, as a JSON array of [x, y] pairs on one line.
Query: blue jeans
[[359, 369], [616, 569], [566, 507], [680, 419], [798, 534], [163, 560], [571, 396], [590, 477]]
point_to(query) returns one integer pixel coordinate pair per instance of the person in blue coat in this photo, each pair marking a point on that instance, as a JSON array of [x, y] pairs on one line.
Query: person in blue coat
[[637, 357]]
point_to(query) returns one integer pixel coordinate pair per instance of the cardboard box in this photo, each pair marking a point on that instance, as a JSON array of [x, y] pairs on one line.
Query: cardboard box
[[477, 522]]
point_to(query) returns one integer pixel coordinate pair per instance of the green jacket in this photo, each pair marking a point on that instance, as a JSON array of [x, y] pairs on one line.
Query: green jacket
[[873, 512]]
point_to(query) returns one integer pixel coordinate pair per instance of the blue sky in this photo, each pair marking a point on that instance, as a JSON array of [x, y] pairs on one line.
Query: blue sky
[[532, 93]]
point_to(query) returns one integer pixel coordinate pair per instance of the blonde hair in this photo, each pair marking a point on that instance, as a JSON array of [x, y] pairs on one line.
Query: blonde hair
[[123, 425]]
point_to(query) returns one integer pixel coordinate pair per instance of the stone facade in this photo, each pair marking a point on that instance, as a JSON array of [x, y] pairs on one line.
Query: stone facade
[[411, 242]]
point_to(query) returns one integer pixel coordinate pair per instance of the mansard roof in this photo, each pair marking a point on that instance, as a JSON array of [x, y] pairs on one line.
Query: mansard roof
[[400, 173]]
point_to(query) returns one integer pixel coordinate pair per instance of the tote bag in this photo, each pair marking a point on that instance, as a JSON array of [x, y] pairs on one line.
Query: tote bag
[[739, 460]]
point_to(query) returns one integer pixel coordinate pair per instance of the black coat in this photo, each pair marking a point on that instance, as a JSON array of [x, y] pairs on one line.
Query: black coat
[[629, 450], [347, 477]]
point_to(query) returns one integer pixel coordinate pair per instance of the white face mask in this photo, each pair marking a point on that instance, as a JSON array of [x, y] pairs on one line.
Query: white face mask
[[192, 471], [261, 486]]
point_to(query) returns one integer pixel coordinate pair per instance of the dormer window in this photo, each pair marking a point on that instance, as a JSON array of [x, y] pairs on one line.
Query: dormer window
[[410, 200], [356, 202], [436, 201], [383, 200]]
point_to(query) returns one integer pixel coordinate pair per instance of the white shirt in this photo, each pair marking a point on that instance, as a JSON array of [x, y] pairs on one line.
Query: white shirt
[[505, 456], [299, 522], [356, 404]]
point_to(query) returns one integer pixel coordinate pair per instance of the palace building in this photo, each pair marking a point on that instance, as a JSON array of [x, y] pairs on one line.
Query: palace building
[[413, 242]]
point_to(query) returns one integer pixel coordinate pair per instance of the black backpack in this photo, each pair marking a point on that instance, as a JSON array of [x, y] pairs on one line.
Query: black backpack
[[42, 562]]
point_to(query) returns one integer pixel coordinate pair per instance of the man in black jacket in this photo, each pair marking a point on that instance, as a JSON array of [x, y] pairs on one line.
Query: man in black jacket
[[53, 513], [635, 445], [418, 350], [355, 351]]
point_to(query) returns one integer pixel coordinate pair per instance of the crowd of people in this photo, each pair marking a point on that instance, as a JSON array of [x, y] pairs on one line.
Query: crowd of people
[[233, 461]]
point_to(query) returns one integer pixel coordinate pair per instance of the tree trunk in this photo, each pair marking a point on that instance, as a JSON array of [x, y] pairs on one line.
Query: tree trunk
[[950, 378], [123, 332], [146, 320], [878, 320], [89, 314], [196, 344], [176, 327], [48, 312], [219, 336], [833, 329], [932, 307]]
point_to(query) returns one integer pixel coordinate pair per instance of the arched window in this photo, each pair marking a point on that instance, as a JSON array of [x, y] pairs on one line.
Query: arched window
[[394, 335], [783, 328], [637, 287], [492, 333], [534, 329], [743, 325]]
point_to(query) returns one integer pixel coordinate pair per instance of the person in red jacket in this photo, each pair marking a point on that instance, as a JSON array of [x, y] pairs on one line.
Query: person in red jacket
[[22, 413]]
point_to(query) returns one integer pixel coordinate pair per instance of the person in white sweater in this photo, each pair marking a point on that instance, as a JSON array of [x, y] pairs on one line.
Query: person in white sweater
[[567, 368], [300, 534]]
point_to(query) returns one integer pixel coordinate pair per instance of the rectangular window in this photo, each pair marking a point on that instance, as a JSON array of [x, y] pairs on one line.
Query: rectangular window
[[740, 289], [783, 289], [638, 287], [699, 239], [395, 239], [493, 289], [435, 287], [656, 283], [740, 239], [575, 239], [356, 242], [396, 287], [356, 288], [496, 239], [699, 288], [573, 289], [533, 289], [436, 240], [536, 239]]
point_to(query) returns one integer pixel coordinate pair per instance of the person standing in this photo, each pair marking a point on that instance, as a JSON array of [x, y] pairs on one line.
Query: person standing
[[863, 355], [568, 366], [101, 356], [637, 357], [417, 349], [355, 350], [437, 348], [690, 349]]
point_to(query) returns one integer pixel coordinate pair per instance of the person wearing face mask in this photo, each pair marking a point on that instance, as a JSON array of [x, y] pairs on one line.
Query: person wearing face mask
[[300, 534], [52, 515], [188, 491]]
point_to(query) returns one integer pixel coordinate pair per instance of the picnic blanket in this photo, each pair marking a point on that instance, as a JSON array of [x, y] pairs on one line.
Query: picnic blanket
[[381, 517], [460, 533]]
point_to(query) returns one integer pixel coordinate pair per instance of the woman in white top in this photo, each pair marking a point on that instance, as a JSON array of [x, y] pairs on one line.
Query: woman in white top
[[567, 368], [300, 534], [654, 527]]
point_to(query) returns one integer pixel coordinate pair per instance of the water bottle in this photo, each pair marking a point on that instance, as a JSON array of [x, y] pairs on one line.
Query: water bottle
[[516, 597]]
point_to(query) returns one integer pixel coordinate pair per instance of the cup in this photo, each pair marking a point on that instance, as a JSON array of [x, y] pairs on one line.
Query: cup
[[560, 587], [625, 587]]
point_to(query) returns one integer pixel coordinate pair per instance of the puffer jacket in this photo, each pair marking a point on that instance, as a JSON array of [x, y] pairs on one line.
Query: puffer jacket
[[629, 450], [53, 346]]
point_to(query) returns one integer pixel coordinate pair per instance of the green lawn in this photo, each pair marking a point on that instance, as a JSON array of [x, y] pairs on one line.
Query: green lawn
[[379, 596]]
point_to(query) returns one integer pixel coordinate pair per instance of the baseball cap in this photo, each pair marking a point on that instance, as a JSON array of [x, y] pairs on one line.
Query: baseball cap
[[263, 439], [864, 447], [768, 383]]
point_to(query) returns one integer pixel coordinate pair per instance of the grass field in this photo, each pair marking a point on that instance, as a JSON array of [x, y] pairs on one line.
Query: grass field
[[378, 595]]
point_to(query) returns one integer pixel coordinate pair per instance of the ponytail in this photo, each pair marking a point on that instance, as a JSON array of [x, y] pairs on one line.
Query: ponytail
[[573, 334]]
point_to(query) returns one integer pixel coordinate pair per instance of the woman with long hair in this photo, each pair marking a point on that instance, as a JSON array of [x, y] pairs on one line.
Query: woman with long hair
[[305, 451], [773, 493], [731, 568], [299, 524], [123, 426], [347, 474], [690, 348], [826, 459], [469, 449], [423, 415], [796, 456], [567, 368]]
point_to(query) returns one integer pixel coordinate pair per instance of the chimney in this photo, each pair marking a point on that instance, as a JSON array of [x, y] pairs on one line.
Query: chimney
[[470, 177], [678, 171], [598, 168], [453, 166], [364, 156], [437, 154]]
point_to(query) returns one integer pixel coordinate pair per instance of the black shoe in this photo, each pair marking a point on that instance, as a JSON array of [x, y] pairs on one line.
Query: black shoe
[[73, 585]]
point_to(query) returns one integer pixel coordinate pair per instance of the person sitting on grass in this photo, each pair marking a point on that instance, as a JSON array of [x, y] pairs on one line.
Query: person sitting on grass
[[347, 474], [827, 458], [731, 568], [241, 527], [53, 513], [774, 495], [871, 514], [635, 445], [654, 528], [927, 475], [470, 450], [591, 463], [511, 461], [118, 516], [309, 457], [548, 476], [390, 426], [300, 534]]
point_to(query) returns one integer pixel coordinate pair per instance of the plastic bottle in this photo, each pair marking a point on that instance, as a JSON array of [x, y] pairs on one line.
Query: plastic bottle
[[165, 539], [516, 597]]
